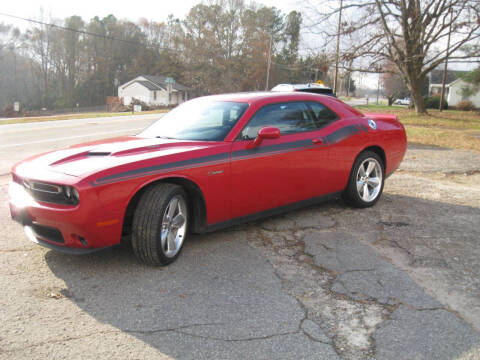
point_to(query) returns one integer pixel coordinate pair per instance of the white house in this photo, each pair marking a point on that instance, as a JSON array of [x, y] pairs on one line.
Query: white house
[[453, 87], [153, 90]]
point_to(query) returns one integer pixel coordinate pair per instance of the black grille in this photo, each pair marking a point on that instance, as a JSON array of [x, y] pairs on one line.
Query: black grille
[[48, 233], [59, 198]]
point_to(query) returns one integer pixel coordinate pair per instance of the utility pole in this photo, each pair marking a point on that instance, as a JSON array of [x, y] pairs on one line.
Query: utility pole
[[378, 87], [444, 77], [335, 79], [348, 85], [269, 61]]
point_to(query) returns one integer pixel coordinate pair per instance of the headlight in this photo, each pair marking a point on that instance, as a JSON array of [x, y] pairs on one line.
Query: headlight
[[71, 193]]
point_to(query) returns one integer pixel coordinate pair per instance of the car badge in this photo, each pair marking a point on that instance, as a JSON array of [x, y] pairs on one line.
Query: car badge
[[372, 124]]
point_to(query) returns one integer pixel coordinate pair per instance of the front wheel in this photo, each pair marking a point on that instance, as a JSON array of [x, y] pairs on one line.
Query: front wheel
[[160, 224], [365, 185]]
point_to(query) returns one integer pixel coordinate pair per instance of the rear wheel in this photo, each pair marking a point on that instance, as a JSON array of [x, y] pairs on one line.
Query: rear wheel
[[160, 224], [365, 185]]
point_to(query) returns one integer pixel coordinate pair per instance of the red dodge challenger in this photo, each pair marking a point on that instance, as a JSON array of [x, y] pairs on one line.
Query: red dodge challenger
[[209, 163]]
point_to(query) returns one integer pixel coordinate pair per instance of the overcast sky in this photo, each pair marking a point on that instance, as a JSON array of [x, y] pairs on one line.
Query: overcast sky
[[133, 10]]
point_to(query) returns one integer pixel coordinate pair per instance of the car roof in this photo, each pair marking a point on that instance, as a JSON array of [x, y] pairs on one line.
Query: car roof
[[291, 87], [264, 97], [257, 99]]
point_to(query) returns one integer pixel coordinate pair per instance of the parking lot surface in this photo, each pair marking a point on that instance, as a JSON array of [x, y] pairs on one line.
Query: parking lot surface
[[396, 281]]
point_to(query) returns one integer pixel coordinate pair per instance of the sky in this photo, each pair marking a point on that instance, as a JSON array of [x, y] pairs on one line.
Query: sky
[[133, 10]]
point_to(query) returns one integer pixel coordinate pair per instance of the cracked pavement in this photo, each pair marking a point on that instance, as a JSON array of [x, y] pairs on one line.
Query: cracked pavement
[[396, 281]]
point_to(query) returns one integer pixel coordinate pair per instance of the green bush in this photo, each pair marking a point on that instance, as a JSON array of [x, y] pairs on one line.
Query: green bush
[[433, 102]]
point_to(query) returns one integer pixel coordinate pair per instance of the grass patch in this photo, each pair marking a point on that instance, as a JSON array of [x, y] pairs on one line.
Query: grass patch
[[450, 128], [74, 116]]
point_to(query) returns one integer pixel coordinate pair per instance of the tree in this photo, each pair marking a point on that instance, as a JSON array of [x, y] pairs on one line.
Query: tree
[[71, 47], [394, 86], [473, 80], [411, 35], [40, 43], [348, 85]]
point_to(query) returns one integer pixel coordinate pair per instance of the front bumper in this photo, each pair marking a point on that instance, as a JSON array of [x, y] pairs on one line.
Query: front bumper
[[69, 229], [37, 239]]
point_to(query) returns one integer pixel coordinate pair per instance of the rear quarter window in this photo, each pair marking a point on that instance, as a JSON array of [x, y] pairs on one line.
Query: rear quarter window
[[322, 114]]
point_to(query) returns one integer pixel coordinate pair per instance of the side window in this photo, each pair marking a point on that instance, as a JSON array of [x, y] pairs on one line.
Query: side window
[[290, 118], [323, 115]]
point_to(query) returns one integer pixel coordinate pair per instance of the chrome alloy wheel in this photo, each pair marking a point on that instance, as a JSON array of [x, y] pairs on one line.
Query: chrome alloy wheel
[[369, 179], [174, 226]]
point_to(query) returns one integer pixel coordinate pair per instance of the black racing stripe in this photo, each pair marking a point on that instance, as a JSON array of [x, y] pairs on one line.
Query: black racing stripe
[[272, 148], [156, 168], [342, 134]]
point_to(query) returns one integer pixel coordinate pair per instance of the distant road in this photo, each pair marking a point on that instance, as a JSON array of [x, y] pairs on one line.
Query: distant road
[[356, 102], [19, 141]]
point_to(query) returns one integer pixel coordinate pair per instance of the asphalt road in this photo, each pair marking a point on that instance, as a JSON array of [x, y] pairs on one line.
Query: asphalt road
[[396, 281], [19, 141]]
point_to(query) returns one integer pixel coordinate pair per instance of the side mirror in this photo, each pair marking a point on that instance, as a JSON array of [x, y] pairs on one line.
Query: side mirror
[[267, 132]]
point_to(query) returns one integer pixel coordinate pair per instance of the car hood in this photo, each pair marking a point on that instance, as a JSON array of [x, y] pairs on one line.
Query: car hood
[[88, 158]]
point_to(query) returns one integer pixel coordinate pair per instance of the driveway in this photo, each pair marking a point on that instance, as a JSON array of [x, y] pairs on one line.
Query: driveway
[[396, 281]]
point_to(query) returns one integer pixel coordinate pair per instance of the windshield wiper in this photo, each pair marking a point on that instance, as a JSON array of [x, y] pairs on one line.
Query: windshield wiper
[[165, 137]]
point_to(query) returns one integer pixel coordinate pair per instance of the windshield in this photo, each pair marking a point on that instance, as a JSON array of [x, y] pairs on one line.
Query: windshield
[[203, 120]]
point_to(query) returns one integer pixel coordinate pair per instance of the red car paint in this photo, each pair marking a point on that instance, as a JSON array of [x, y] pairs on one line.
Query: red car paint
[[236, 178]]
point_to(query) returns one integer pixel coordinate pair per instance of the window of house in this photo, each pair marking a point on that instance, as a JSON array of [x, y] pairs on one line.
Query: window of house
[[154, 94]]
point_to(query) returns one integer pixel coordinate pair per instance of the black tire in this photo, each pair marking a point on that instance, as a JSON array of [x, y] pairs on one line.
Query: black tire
[[147, 224], [351, 194]]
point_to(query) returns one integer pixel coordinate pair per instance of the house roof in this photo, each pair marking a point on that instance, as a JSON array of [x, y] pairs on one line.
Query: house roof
[[437, 75], [149, 85], [161, 81]]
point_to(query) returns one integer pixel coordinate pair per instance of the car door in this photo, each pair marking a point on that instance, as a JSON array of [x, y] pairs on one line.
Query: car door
[[279, 171]]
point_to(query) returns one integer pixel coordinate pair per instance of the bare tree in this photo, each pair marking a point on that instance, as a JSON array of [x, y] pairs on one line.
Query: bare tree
[[393, 85], [40, 42]]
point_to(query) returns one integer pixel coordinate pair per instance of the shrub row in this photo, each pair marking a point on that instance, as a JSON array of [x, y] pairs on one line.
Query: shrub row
[[433, 102]]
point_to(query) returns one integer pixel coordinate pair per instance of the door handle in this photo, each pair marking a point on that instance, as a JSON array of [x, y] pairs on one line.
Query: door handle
[[317, 141]]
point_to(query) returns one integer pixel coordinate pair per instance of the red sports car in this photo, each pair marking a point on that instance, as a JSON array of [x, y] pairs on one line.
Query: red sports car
[[209, 163]]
